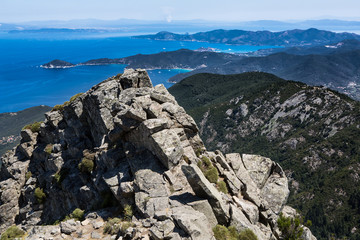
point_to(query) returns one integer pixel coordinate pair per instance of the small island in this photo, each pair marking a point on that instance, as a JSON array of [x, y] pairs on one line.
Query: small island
[[58, 64]]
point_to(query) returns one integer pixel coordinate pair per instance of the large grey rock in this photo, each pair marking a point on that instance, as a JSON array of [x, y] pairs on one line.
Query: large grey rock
[[249, 209], [275, 190], [68, 227], [135, 79], [192, 222], [258, 167], [162, 229], [203, 188], [240, 222], [166, 146], [204, 207]]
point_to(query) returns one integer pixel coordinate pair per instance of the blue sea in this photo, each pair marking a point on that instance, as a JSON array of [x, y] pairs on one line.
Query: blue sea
[[24, 84]]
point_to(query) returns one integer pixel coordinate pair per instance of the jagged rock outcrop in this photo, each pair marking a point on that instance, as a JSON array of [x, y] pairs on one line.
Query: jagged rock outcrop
[[128, 143]]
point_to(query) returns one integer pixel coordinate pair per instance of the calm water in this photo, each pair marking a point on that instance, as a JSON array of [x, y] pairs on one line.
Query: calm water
[[24, 84]]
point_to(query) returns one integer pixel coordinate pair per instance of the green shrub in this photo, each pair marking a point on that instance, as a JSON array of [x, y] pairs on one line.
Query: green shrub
[[56, 222], [128, 212], [86, 165], [77, 214], [206, 161], [230, 233], [34, 127], [186, 159], [112, 226], [125, 226], [233, 232], [40, 195], [73, 98], [198, 152], [61, 175], [221, 232], [27, 176], [290, 228], [210, 172], [204, 164], [12, 232], [48, 148], [59, 107], [212, 175], [221, 185], [247, 234], [224, 233]]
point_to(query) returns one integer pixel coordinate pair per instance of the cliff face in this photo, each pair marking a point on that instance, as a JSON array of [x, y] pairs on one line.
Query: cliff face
[[126, 144]]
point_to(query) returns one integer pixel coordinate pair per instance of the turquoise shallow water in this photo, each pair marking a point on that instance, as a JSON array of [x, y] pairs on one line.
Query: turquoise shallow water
[[24, 84]]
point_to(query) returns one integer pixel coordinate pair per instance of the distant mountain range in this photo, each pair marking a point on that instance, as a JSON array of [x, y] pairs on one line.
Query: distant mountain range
[[183, 58], [295, 37], [342, 46], [339, 71], [336, 66], [133, 25]]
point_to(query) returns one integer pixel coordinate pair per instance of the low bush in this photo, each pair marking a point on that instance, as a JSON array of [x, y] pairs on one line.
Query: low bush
[[186, 159], [12, 232], [40, 195], [112, 226], [221, 233], [73, 98], [128, 212], [198, 152], [77, 214], [48, 148], [290, 228], [212, 174], [247, 234], [27, 176], [59, 107], [61, 175], [221, 185], [34, 127], [125, 226], [86, 165], [230, 233], [206, 161]]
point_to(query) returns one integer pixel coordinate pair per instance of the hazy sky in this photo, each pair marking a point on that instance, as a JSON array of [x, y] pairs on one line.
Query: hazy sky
[[224, 10]]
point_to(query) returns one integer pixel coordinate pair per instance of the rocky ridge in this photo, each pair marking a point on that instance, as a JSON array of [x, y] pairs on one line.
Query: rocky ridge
[[126, 144]]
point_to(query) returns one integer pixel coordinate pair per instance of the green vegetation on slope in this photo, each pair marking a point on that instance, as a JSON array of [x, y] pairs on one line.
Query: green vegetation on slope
[[12, 123], [312, 132]]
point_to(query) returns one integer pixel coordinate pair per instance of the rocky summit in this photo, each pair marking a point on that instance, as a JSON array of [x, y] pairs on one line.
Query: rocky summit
[[125, 161]]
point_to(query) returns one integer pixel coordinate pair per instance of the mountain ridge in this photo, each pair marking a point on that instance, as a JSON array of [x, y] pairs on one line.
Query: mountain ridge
[[337, 70], [296, 37]]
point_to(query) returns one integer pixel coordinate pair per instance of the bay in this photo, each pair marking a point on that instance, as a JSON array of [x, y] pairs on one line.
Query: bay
[[24, 84]]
